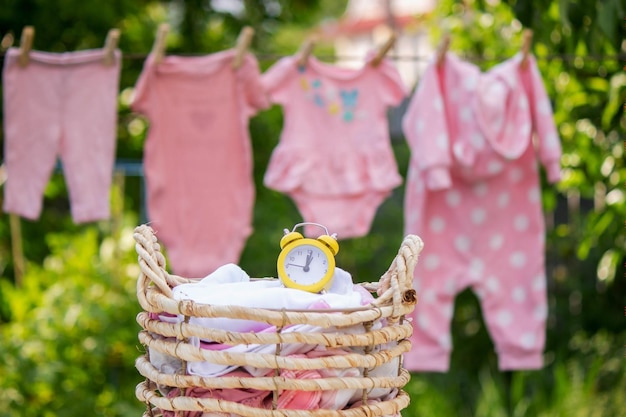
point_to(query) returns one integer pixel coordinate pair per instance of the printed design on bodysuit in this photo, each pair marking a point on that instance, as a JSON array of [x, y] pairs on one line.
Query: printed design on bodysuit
[[342, 103]]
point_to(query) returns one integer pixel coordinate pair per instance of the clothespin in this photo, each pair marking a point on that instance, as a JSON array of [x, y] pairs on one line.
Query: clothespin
[[382, 51], [306, 50], [243, 41], [443, 48], [26, 44], [7, 41], [158, 49], [109, 46], [527, 38]]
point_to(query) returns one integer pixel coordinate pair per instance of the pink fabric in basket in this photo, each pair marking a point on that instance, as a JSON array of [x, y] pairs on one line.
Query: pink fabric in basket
[[288, 399], [250, 397]]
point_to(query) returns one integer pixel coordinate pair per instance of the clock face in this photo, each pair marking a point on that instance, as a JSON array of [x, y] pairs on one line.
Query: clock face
[[306, 264]]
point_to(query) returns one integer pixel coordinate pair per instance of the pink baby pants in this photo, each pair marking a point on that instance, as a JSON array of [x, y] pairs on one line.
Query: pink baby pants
[[197, 156], [61, 105], [474, 196]]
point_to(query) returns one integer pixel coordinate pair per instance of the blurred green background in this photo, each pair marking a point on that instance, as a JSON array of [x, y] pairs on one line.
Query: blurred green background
[[68, 337]]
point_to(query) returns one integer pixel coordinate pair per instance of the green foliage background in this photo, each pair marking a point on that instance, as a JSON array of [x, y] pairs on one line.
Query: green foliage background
[[67, 330]]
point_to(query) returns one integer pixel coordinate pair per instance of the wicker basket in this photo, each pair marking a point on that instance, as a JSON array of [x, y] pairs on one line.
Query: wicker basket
[[383, 339]]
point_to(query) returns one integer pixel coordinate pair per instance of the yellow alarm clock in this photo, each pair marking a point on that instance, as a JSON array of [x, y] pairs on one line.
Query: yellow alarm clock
[[307, 264]]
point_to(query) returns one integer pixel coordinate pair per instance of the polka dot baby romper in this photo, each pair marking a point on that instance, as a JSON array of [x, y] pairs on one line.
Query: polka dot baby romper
[[473, 195]]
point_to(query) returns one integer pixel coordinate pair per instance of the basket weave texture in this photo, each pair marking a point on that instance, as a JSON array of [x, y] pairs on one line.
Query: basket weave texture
[[382, 339]]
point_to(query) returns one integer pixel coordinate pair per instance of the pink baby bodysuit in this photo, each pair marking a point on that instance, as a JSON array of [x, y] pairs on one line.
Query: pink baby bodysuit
[[473, 194], [197, 156], [334, 158], [60, 105]]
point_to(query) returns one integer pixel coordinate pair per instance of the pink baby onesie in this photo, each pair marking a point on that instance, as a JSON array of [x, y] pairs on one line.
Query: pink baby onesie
[[65, 105], [334, 158], [473, 194], [198, 157]]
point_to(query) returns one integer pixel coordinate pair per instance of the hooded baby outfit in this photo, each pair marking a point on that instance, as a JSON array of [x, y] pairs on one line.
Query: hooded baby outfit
[[334, 158], [65, 105], [473, 194], [197, 156]]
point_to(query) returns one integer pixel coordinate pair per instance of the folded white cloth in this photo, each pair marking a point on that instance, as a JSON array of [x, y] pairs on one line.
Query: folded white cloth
[[229, 285]]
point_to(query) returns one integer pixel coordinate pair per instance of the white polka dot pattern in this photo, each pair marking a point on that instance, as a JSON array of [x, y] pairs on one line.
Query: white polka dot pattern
[[533, 194], [476, 268], [444, 341], [431, 262], [518, 259], [453, 198], [539, 283], [462, 243], [478, 141], [544, 107], [478, 216], [496, 241], [504, 318], [540, 312], [527, 341], [516, 174], [552, 141], [450, 287], [442, 141], [493, 284], [494, 167], [518, 294], [438, 104], [419, 125], [481, 189], [479, 293], [503, 200], [429, 296], [465, 114], [470, 82], [523, 103], [437, 224], [521, 223], [422, 321]]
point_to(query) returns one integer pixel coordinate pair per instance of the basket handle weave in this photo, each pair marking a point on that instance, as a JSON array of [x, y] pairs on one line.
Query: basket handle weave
[[397, 283]]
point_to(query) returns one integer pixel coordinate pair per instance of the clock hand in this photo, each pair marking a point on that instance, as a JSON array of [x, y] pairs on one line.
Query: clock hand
[[299, 266], [309, 258]]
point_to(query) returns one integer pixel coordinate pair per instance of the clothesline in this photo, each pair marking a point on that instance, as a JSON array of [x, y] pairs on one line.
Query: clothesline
[[406, 58], [550, 57]]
